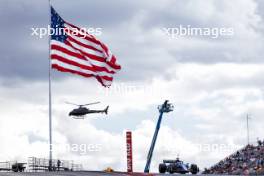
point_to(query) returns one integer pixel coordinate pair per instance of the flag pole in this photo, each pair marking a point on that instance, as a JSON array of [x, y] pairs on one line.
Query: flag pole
[[247, 129], [50, 107]]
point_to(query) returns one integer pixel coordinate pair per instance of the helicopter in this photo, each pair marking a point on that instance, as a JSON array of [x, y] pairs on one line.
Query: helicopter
[[80, 112]]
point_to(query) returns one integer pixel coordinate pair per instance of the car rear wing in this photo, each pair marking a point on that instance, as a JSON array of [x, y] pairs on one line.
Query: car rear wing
[[170, 161]]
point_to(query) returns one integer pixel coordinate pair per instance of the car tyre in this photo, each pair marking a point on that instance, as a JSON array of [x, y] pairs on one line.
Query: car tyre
[[194, 169], [170, 169], [162, 168]]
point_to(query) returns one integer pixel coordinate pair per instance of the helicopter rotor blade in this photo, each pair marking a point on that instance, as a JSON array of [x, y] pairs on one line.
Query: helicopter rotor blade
[[91, 103], [72, 104]]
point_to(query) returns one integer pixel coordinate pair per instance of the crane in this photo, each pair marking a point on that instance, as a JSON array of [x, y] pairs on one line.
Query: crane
[[164, 108]]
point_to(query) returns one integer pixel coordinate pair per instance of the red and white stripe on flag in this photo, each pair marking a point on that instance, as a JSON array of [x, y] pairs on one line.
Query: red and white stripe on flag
[[81, 53]]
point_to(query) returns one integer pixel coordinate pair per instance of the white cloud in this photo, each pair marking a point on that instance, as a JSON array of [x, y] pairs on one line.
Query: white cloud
[[204, 109]]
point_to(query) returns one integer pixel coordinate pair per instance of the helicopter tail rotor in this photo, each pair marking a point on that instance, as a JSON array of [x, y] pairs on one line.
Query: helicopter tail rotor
[[106, 110]]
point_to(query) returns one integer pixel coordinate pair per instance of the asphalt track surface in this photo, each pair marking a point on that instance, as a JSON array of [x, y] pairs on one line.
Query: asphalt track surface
[[86, 173], [91, 173]]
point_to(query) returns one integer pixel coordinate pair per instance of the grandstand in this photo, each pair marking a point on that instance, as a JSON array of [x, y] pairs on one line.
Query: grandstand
[[248, 160], [42, 165], [39, 165], [14, 166]]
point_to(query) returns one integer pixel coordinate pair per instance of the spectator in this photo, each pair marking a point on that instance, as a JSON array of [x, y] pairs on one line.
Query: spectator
[[259, 142], [247, 161], [58, 165]]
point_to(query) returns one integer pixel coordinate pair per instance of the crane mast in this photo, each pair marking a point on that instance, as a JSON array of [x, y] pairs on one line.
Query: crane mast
[[164, 108]]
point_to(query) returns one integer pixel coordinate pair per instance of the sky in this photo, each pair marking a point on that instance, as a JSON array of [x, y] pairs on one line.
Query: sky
[[213, 82]]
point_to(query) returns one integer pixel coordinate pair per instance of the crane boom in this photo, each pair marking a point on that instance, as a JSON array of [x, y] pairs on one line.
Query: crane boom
[[166, 107]]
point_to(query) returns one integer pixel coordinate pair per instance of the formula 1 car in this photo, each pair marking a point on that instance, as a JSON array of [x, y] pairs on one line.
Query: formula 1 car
[[177, 166]]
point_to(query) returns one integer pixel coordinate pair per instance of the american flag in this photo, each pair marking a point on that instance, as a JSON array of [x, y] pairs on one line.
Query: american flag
[[75, 51]]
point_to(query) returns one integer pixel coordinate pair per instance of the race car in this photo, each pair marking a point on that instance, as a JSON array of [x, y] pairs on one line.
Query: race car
[[177, 166]]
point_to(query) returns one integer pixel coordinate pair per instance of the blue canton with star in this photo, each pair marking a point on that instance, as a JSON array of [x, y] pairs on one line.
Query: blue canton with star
[[57, 24]]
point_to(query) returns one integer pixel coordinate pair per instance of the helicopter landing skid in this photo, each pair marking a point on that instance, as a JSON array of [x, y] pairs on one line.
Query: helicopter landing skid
[[79, 117]]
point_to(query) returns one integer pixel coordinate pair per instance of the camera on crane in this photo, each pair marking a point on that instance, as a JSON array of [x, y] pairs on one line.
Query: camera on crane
[[166, 107]]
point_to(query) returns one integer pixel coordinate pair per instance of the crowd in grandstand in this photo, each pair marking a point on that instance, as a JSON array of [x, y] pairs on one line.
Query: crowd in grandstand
[[248, 160]]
